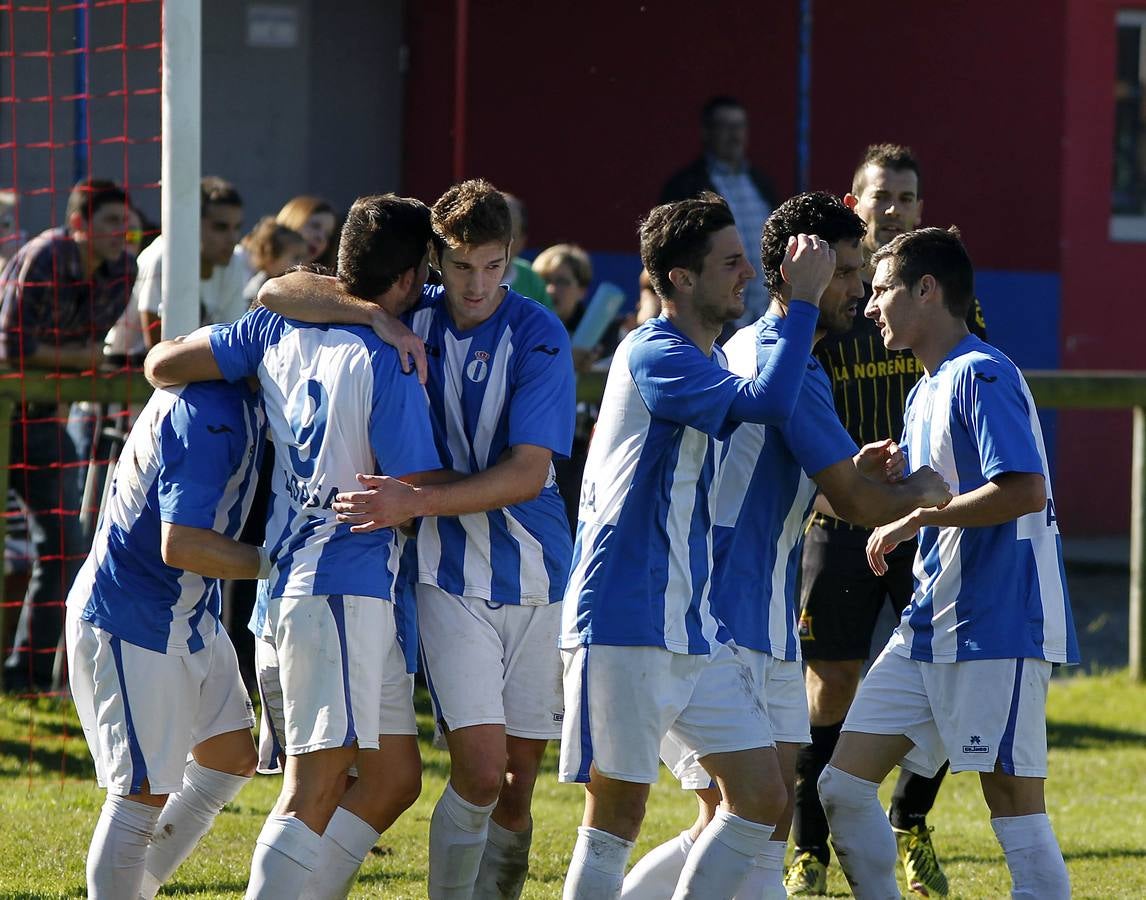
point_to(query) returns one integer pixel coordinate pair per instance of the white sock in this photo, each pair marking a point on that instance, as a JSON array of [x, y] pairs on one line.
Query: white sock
[[861, 835], [721, 857], [504, 863], [118, 848], [765, 879], [1033, 856], [457, 839], [597, 867], [186, 817], [286, 852], [655, 875], [345, 843]]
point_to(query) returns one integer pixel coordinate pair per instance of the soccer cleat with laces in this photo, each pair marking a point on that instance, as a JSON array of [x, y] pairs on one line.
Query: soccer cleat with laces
[[920, 864], [806, 876]]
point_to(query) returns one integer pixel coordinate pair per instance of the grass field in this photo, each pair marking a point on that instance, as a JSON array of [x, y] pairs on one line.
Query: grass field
[[49, 803]]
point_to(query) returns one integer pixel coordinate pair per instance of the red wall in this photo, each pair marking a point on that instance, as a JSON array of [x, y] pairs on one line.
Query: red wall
[[977, 95], [1102, 302], [583, 109]]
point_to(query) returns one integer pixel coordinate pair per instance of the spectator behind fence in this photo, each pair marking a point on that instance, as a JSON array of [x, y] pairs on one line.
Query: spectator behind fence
[[519, 274], [724, 169], [60, 293], [567, 273], [223, 274], [317, 222], [272, 250]]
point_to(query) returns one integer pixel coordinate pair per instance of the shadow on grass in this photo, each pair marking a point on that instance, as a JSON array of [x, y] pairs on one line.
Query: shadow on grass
[[1107, 853], [1077, 736], [16, 756], [234, 887]]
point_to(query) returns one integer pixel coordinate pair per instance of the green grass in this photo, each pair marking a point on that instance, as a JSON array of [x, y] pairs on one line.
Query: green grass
[[49, 803]]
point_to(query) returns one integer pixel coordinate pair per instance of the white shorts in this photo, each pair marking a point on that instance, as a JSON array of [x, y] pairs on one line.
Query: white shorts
[[331, 674], [781, 687], [621, 702], [143, 711], [974, 713], [490, 664]]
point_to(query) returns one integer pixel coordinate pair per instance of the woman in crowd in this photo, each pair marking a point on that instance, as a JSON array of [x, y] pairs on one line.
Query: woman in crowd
[[315, 220]]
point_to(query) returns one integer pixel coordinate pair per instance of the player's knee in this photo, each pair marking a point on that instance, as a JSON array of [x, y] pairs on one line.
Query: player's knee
[[762, 801], [838, 790], [480, 780]]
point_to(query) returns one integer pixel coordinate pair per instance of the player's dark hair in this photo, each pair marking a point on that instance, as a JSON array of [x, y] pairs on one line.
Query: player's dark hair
[[896, 157], [470, 214], [818, 213], [680, 235], [937, 252], [714, 104], [217, 191], [89, 194], [383, 237]]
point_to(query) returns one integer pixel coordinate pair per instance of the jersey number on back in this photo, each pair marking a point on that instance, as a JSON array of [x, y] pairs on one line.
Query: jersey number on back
[[306, 411]]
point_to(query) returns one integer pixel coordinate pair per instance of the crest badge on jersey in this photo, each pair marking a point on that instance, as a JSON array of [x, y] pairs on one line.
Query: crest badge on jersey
[[478, 368]]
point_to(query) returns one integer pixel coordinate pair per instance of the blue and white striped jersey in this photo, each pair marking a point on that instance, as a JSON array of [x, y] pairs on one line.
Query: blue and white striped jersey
[[337, 404], [192, 459], [505, 382], [995, 592], [764, 498], [643, 551]]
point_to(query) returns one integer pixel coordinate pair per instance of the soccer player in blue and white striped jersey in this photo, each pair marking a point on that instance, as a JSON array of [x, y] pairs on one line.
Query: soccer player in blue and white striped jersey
[[337, 405], [768, 481], [153, 674], [644, 655], [493, 546], [965, 675]]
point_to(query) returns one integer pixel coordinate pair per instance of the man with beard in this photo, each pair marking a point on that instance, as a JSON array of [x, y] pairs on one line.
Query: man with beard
[[771, 473]]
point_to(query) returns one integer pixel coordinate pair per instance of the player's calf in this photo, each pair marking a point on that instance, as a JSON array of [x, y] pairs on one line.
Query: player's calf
[[221, 766]]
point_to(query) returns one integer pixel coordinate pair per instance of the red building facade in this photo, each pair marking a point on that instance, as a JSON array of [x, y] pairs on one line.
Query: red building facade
[[583, 109]]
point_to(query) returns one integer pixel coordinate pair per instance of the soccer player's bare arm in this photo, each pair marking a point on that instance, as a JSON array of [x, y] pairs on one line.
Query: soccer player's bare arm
[[519, 476], [1004, 498], [181, 361], [865, 501], [322, 299], [208, 553], [309, 297]]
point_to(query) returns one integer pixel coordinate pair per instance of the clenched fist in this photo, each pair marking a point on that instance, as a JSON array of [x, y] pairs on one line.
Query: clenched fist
[[808, 266]]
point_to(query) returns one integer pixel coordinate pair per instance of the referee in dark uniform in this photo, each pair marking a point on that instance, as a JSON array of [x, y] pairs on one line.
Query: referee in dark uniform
[[841, 598]]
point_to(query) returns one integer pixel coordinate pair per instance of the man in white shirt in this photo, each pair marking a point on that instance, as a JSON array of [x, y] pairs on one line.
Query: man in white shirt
[[223, 274]]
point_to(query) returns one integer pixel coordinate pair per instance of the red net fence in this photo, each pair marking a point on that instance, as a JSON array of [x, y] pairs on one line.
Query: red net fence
[[79, 199]]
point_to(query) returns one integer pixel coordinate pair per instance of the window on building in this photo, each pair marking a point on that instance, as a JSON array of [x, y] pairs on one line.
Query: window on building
[[1128, 191]]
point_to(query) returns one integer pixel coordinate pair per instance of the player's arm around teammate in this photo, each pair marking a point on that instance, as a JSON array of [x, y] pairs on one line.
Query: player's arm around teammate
[[493, 550]]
